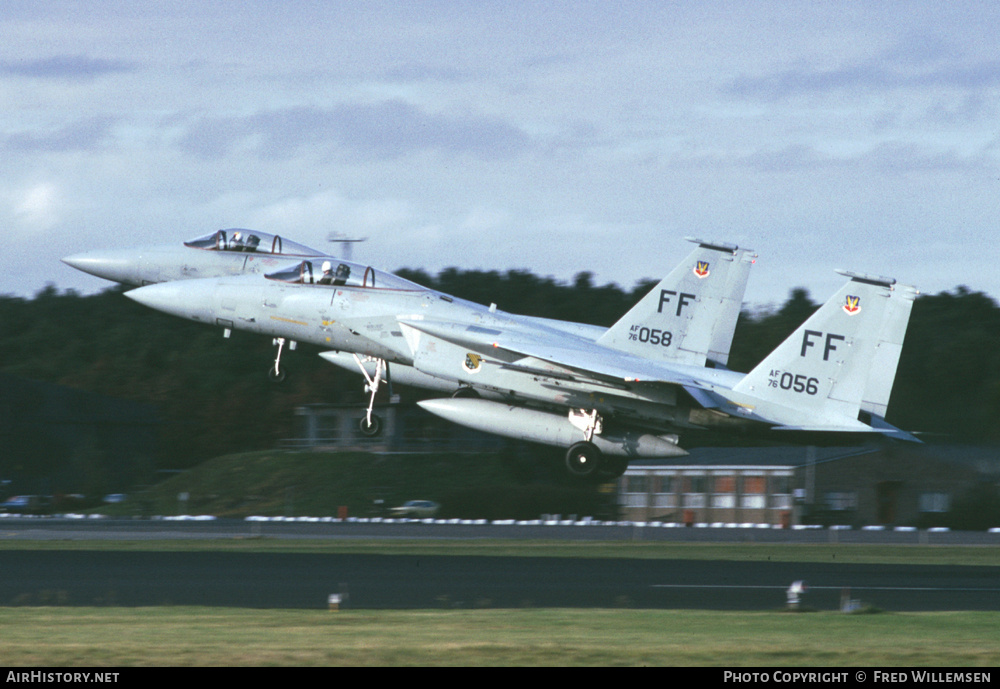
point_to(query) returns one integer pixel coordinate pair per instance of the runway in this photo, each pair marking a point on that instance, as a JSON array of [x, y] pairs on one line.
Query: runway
[[294, 580], [554, 529]]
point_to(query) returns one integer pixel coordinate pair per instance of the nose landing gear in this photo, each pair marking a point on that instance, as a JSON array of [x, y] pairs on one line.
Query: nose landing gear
[[370, 424], [277, 373]]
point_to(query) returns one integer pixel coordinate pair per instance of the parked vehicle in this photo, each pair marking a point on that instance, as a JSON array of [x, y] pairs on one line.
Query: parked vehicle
[[26, 504], [416, 508]]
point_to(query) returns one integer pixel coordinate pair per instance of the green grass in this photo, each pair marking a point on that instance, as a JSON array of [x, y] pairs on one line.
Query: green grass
[[315, 483], [739, 552], [114, 637], [284, 483]]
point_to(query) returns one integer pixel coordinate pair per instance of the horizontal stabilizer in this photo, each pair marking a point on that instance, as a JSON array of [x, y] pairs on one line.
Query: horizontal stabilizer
[[882, 426], [859, 428]]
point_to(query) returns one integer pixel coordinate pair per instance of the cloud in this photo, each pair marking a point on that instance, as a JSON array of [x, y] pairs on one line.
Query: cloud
[[386, 130], [328, 211], [920, 62], [89, 134], [292, 214], [65, 67], [36, 208], [898, 157], [869, 75], [418, 72], [889, 157]]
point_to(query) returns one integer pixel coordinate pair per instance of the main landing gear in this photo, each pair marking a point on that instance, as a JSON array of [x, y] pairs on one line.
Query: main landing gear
[[584, 459]]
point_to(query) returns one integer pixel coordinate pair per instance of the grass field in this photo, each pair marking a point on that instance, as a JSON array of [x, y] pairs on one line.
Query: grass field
[[735, 552], [179, 636], [309, 483], [185, 636]]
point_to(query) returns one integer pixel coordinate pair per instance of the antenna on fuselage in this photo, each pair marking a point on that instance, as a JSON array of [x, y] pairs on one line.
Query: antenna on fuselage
[[346, 243]]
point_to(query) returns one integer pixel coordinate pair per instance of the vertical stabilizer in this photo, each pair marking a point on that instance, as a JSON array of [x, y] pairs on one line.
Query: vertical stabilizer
[[823, 373], [690, 317], [890, 344]]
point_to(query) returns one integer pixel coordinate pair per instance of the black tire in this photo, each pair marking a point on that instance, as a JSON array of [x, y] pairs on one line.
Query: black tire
[[372, 429], [465, 393], [277, 376], [584, 460]]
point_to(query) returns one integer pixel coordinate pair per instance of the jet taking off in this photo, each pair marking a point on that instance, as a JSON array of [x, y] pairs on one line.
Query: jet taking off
[[219, 254], [633, 390], [831, 376], [690, 315], [225, 252]]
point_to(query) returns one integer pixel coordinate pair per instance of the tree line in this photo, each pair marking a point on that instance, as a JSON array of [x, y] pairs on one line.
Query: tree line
[[213, 395]]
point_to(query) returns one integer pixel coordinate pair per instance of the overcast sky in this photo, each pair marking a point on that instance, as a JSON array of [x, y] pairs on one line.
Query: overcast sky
[[554, 137]]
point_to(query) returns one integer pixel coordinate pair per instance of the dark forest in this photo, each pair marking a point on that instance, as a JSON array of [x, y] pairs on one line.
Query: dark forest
[[213, 396]]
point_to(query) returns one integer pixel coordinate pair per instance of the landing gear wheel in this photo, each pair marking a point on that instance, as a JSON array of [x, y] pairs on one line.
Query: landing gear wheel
[[465, 393], [276, 375], [370, 429], [583, 460]]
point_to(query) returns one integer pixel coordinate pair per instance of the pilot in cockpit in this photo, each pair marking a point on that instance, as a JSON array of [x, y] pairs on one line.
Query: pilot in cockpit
[[330, 277]]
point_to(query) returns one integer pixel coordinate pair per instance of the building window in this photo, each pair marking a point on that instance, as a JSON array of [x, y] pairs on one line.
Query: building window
[[637, 484], [634, 499], [663, 491], [724, 493], [694, 500], [663, 484], [694, 484], [754, 492], [780, 491], [694, 491], [935, 502], [781, 502], [780, 485], [841, 501], [634, 491], [664, 500]]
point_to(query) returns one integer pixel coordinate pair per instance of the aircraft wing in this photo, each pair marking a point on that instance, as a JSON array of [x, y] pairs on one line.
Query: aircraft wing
[[578, 355]]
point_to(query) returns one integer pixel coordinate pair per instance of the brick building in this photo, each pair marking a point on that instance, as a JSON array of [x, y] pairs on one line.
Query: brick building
[[892, 485]]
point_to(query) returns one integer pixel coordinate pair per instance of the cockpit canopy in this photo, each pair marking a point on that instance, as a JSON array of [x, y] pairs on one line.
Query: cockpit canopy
[[341, 273], [250, 241]]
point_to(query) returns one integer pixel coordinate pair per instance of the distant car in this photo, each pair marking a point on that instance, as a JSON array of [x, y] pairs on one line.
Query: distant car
[[114, 498], [24, 504], [416, 508]]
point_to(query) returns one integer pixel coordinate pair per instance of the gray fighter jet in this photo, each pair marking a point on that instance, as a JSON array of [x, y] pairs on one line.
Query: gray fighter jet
[[831, 378], [608, 395], [225, 252], [360, 318]]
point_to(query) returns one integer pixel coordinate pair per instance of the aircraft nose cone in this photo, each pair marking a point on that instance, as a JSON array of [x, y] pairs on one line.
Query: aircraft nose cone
[[176, 298], [109, 265]]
